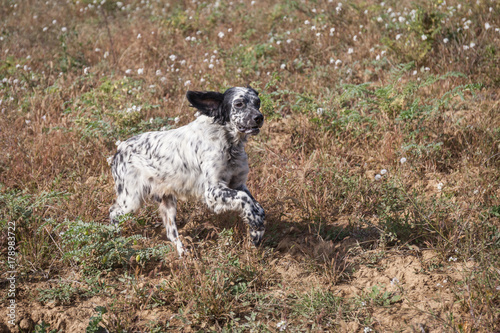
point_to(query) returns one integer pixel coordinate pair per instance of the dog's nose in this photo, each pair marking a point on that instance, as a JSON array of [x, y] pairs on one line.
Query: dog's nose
[[258, 118]]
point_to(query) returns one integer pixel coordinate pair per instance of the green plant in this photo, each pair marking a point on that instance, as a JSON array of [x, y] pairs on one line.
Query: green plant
[[99, 246], [43, 327], [378, 297], [64, 293], [94, 322]]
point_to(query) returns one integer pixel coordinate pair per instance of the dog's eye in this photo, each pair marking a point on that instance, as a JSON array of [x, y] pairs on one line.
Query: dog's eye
[[239, 104]]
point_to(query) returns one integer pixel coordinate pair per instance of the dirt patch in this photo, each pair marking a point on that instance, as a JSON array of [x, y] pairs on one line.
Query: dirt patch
[[426, 297], [73, 318]]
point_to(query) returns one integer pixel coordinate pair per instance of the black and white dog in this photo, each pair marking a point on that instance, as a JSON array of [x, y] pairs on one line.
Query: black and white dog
[[205, 160]]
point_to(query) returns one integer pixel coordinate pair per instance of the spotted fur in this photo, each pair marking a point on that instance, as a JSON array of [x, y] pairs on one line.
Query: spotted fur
[[204, 160]]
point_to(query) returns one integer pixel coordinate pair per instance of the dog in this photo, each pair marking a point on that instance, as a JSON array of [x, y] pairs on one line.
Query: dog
[[204, 160]]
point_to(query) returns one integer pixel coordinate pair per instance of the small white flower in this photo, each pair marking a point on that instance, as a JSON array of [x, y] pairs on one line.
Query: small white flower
[[355, 38], [320, 111], [395, 281], [187, 83], [383, 171], [172, 57], [350, 50], [487, 25], [176, 120], [221, 34], [398, 36], [28, 121], [283, 66], [44, 117], [128, 71], [379, 19], [97, 49], [466, 47], [64, 29], [281, 325], [471, 45], [106, 54], [439, 186], [446, 40], [45, 29], [452, 259], [86, 70], [211, 66], [402, 160], [378, 177], [139, 36], [338, 62], [140, 71], [367, 330], [54, 21], [158, 72], [306, 22], [377, 57], [424, 37]]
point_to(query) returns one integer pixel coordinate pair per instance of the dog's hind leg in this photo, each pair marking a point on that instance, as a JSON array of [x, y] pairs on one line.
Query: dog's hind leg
[[168, 211]]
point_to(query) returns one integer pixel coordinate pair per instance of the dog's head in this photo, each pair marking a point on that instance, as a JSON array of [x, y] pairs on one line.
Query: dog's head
[[237, 106]]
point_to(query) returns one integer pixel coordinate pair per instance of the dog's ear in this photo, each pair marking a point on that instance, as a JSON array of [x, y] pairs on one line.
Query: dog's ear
[[205, 101], [209, 103]]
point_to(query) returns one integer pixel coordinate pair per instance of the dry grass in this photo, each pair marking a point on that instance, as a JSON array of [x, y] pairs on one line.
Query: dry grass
[[347, 89]]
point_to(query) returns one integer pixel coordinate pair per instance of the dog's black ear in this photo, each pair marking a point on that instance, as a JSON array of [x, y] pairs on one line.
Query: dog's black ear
[[205, 101], [209, 103]]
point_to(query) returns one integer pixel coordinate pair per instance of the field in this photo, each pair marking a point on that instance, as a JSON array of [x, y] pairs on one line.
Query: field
[[378, 166]]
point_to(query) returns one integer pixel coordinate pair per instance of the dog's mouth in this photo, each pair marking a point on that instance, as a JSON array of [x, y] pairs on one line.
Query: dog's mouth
[[249, 130]]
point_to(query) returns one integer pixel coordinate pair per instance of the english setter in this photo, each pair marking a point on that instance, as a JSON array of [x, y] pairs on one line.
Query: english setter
[[204, 160]]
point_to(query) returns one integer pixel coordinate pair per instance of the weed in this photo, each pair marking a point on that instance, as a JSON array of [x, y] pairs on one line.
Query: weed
[[97, 246], [63, 293], [43, 327], [94, 322]]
